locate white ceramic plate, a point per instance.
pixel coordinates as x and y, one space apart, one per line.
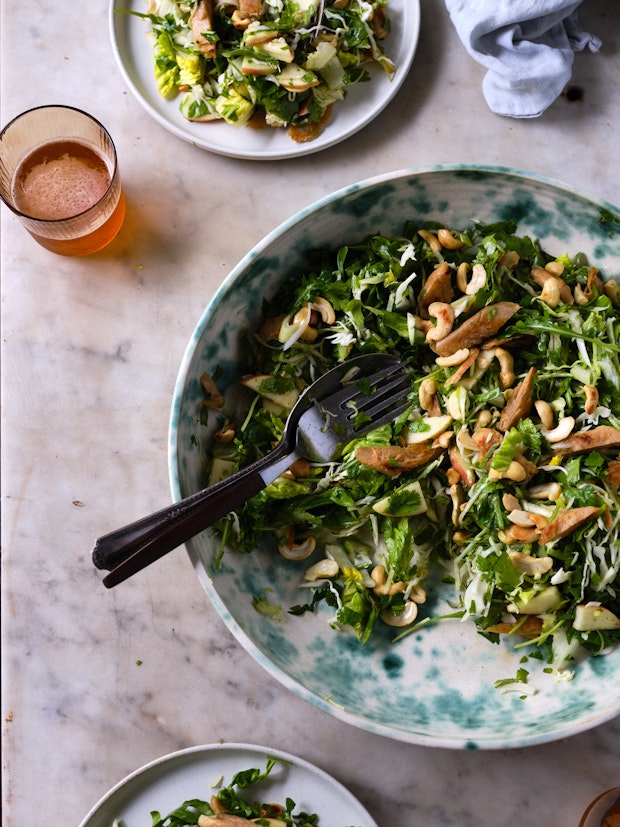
167 782
133 51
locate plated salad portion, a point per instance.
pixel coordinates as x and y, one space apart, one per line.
502 477
233 806
265 63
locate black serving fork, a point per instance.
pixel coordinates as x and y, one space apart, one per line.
346 402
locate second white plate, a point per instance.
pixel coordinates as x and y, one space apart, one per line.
364 101
194 773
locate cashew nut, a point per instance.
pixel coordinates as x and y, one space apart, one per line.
324 568
579 295
478 280
541 277
379 578
515 472
546 491
612 291
417 594
448 240
506 365
509 259
462 274
545 412
556 268
483 419
518 534
561 430
456 495
226 433
521 518
444 314
426 392
456 403
238 21
404 618
324 308
431 239
298 551
510 502
464 440
527 564
301 321
550 292
213 398
591 399
454 359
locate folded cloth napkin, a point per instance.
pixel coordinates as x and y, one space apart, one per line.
528 47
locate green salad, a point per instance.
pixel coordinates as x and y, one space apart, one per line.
503 476
232 806
274 63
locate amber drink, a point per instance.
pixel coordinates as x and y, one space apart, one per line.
59 175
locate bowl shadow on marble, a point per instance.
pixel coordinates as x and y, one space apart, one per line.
435 687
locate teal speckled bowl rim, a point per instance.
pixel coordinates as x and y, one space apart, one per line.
527 738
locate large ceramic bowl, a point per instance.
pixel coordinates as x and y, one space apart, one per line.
435 687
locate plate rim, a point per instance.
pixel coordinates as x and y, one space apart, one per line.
411 32
208 750
407 736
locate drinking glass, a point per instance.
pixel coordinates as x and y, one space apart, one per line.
59 175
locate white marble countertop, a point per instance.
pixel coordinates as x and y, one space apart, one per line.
96 683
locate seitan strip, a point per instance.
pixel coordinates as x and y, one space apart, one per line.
482 325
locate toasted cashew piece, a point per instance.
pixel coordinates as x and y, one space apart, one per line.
515 472
612 291
462 275
510 502
550 292
546 491
324 568
483 419
545 412
324 308
379 578
431 239
518 534
521 518
477 281
526 564
541 277
509 259
417 594
455 358
226 433
591 399
556 268
561 430
506 364
579 295
427 393
448 240
404 618
444 314
298 551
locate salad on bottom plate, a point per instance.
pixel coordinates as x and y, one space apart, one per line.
503 475
265 63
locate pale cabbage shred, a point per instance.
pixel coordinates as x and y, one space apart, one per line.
234 96
374 289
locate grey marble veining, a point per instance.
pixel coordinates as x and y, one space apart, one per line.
96 683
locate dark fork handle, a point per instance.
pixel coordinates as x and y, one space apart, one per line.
149 538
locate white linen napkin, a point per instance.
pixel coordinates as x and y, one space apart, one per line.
527 46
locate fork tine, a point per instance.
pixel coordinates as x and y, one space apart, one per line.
385 393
